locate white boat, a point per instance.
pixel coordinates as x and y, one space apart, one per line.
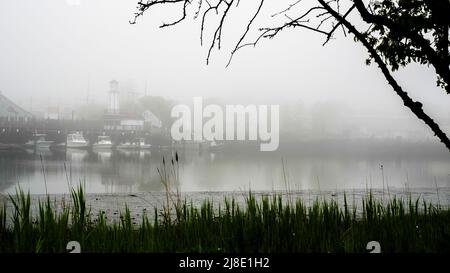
76 140
103 142
142 144
39 142
128 145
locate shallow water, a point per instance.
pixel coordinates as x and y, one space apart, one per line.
145 203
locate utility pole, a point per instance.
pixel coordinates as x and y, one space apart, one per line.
145 90
88 89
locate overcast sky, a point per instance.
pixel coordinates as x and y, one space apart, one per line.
50 50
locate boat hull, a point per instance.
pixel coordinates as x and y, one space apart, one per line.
77 145
97 146
44 144
127 147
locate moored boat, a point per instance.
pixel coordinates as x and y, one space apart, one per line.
39 142
142 144
128 145
77 141
103 142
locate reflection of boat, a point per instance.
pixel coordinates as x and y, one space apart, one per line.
215 147
40 151
58 147
128 152
76 155
190 144
104 155
164 147
10 147
142 144
39 142
144 153
76 140
103 142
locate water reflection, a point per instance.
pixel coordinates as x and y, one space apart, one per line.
105 171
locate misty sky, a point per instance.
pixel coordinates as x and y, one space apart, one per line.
50 50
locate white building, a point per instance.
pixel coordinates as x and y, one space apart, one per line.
113 107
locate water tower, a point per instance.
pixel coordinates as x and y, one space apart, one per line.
113 97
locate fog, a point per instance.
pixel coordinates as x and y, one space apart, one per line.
58 52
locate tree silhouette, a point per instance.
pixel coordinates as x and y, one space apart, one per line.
394 32
160 107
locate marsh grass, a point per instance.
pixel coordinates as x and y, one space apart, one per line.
265 225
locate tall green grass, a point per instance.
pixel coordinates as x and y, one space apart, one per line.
264 225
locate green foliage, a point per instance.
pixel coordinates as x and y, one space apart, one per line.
405 31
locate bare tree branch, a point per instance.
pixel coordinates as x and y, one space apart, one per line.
246 31
287 9
143 7
218 33
329 20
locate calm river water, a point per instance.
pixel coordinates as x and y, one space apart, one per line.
137 171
